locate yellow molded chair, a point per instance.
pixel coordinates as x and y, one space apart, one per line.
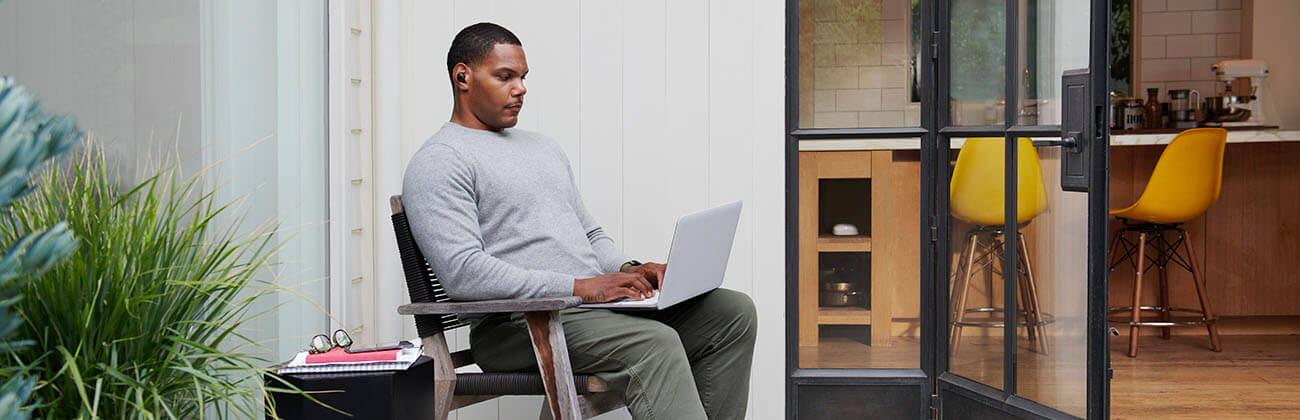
977 195
1185 182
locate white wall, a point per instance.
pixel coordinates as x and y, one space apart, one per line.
662 106
1274 42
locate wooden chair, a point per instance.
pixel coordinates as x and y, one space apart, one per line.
568 396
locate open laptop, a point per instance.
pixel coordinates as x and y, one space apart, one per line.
697 258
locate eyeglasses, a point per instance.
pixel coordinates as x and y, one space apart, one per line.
320 343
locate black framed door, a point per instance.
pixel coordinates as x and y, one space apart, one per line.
1021 203
994 81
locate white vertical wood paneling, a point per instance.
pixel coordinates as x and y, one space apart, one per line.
647 166
600 113
678 162
731 134
663 107
767 206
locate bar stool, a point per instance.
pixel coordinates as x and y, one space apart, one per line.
978 198
1184 183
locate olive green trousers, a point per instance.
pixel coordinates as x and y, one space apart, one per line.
690 361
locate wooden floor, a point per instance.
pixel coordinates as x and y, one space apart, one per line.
1255 377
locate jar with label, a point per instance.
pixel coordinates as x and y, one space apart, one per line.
1133 114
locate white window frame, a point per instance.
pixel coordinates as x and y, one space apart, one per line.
351 256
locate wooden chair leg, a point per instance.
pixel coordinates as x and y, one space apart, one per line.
1035 306
444 374
1201 294
1026 308
552 354
955 284
1162 252
1137 297
959 305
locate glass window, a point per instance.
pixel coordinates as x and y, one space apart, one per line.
238 85
858 63
978 82
859 259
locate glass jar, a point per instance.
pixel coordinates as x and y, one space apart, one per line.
1151 116
1133 114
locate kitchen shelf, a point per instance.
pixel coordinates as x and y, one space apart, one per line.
846 315
833 243
840 188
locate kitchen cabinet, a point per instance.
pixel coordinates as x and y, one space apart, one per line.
878 192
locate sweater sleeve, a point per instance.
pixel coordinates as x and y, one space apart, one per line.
441 205
607 253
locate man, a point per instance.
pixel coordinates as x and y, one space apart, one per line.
497 214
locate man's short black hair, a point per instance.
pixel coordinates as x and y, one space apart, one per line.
475 42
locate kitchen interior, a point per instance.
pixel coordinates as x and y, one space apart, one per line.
1176 65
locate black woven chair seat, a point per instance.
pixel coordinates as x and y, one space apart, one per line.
509 383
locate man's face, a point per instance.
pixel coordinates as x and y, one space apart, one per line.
496 87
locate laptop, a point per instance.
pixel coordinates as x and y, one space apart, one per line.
697 258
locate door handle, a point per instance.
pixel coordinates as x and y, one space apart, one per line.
1077 134
1069 142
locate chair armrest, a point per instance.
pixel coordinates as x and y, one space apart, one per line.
489 306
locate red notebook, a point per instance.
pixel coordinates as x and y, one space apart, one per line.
338 355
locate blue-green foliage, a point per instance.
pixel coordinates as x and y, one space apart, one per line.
28 138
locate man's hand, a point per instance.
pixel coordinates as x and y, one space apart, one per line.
653 273
608 287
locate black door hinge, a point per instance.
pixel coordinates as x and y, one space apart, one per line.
934 233
934 45
934 406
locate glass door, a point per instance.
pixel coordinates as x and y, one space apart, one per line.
1020 199
926 277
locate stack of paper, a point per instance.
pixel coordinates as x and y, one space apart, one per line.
339 360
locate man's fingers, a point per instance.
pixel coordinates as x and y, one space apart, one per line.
630 293
639 282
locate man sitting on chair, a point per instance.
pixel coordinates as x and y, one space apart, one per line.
497 214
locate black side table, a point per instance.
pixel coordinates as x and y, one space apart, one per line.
365 395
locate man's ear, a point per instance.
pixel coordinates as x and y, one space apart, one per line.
460 77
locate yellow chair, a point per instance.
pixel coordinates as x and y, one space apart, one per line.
977 195
1185 182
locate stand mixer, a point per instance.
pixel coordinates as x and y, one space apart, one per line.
1228 108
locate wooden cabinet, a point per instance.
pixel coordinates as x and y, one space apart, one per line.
878 192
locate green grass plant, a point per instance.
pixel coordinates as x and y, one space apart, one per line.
144 319
28 138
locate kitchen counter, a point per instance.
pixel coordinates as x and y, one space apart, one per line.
1243 136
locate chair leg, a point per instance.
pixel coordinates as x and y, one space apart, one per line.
1198 277
1032 296
444 374
552 354
1137 296
1162 253
959 304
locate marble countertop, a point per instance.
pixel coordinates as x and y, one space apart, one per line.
1244 136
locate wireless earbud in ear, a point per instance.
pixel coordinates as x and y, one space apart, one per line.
460 77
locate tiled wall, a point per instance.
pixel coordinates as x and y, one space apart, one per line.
859 51
1181 39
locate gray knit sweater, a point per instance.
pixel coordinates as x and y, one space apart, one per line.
498 216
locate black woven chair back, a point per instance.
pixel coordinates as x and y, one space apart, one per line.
421 283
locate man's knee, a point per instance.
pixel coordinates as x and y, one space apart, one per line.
740 308
657 338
